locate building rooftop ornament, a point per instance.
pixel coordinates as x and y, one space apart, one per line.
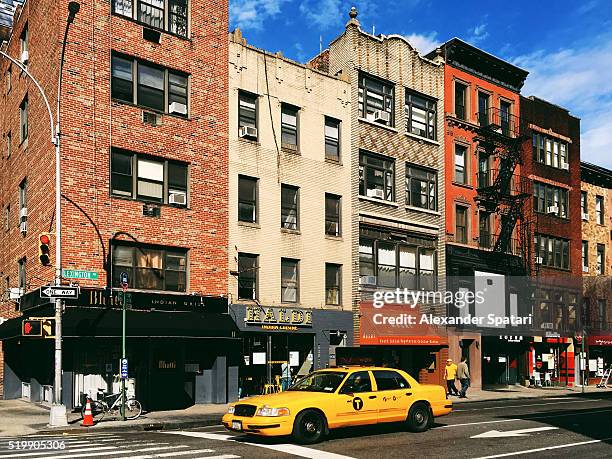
353 17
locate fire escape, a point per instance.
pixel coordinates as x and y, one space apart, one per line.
500 189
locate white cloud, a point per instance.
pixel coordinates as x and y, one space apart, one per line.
478 33
424 43
323 14
251 14
579 80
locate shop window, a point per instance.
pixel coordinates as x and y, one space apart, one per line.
376 100
332 139
332 283
332 215
421 188
289 281
289 207
150 268
376 176
247 276
247 199
420 115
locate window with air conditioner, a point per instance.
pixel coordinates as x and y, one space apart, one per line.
376 100
420 115
376 176
553 251
550 151
247 115
551 200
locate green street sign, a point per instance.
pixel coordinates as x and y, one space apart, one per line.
79 274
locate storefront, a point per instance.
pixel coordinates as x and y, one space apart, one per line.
552 361
286 342
181 349
599 357
505 360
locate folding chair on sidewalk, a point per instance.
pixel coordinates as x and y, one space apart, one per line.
605 378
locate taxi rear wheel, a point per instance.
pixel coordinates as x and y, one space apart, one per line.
309 427
419 418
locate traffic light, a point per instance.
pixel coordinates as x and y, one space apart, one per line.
44 253
31 327
48 328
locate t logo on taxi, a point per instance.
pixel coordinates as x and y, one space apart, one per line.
357 403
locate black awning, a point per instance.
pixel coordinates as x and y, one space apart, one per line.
106 322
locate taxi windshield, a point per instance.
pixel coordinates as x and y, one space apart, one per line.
323 381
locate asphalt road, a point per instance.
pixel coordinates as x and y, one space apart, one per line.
552 427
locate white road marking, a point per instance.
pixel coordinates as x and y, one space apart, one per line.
526 405
173 454
296 450
512 433
478 423
30 452
221 456
546 448
119 451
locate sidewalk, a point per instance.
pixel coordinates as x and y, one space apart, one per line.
18 417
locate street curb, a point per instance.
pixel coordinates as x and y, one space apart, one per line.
529 398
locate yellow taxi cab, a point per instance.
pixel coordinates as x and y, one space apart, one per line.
340 397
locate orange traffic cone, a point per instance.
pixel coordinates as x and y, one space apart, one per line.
88 417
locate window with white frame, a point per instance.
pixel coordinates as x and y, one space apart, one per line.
461 164
376 176
289 126
550 151
420 115
332 139
376 100
599 212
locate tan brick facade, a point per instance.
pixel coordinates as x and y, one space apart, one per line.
275 80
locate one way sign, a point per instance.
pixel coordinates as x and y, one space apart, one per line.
59 291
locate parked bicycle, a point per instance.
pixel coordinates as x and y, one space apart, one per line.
111 403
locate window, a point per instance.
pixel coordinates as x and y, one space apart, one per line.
505 112
427 269
553 251
483 108
247 110
289 207
24 39
599 213
332 214
585 256
289 130
460 164
421 188
155 87
151 13
9 78
584 207
332 284
23 120
460 100
484 229
550 151
289 281
332 139
376 100
247 199
150 268
550 200
23 194
420 115
376 176
601 259
7 217
22 273
247 276
366 259
484 174
389 380
148 179
461 224
9 144
357 383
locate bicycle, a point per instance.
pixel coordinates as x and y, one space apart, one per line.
108 402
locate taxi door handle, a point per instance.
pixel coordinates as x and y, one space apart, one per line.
372 396
408 393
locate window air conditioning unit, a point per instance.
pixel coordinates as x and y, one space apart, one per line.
154 119
23 213
538 260
367 280
177 197
25 57
379 194
14 293
247 131
23 227
565 166
585 269
381 115
585 216
552 210
151 211
177 107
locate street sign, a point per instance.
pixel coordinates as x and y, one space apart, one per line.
59 291
124 368
123 278
79 274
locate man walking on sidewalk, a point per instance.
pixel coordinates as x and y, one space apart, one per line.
450 373
463 373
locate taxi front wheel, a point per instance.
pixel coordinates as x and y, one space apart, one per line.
419 418
309 427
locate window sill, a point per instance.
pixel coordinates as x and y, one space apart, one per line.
380 125
556 217
250 141
425 211
249 224
290 231
550 166
378 201
334 162
423 139
334 238
463 185
150 203
149 109
144 24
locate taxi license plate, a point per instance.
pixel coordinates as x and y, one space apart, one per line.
236 425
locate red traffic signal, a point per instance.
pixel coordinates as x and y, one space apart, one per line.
31 327
44 252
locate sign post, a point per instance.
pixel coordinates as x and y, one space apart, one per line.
123 277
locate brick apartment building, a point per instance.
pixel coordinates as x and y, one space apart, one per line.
290 214
397 134
596 212
144 182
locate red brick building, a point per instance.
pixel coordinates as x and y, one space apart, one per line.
144 182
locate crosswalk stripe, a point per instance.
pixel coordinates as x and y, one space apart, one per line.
221 456
42 453
126 453
173 454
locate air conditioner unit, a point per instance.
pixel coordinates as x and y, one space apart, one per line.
367 280
23 213
177 107
565 166
154 119
381 115
178 198
14 293
552 210
23 227
585 216
538 260
585 269
25 57
247 131
380 194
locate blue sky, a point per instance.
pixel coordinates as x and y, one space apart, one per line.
565 45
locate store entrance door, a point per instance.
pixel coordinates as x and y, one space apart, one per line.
167 388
